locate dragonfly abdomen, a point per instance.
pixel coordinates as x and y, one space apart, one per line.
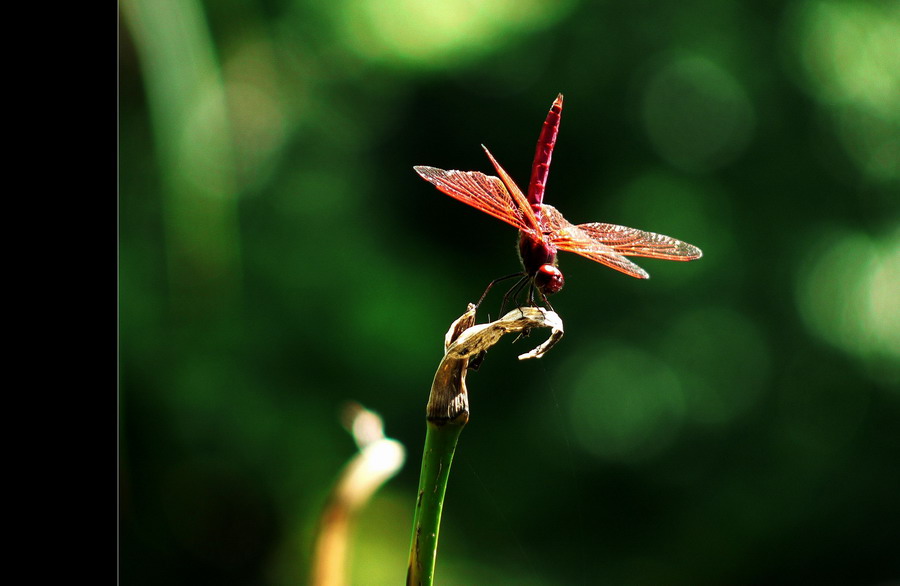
540 168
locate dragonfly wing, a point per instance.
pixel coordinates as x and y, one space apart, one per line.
483 192
633 242
517 195
571 238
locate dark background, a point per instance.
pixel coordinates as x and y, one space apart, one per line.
734 420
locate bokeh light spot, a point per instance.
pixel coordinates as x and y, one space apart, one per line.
440 32
257 112
849 54
696 113
625 404
849 295
723 361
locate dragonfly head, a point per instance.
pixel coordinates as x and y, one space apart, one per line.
549 279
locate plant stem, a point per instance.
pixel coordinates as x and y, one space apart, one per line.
379 458
448 412
440 446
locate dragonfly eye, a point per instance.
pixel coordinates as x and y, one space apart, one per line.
549 279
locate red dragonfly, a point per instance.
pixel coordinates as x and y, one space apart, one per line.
542 229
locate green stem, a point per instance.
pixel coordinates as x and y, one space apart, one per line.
448 412
440 445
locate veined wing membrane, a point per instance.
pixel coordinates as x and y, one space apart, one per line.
516 193
565 236
484 192
622 239
608 244
634 242
574 240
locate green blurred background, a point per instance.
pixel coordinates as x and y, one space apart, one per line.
735 420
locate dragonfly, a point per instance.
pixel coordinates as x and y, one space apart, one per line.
543 231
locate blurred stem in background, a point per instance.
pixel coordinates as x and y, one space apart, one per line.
187 102
378 460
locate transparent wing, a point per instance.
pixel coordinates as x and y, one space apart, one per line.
516 193
483 192
609 243
633 242
567 237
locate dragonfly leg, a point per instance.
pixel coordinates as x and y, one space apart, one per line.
545 300
531 293
514 291
494 282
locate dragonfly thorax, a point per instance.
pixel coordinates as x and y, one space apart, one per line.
539 260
